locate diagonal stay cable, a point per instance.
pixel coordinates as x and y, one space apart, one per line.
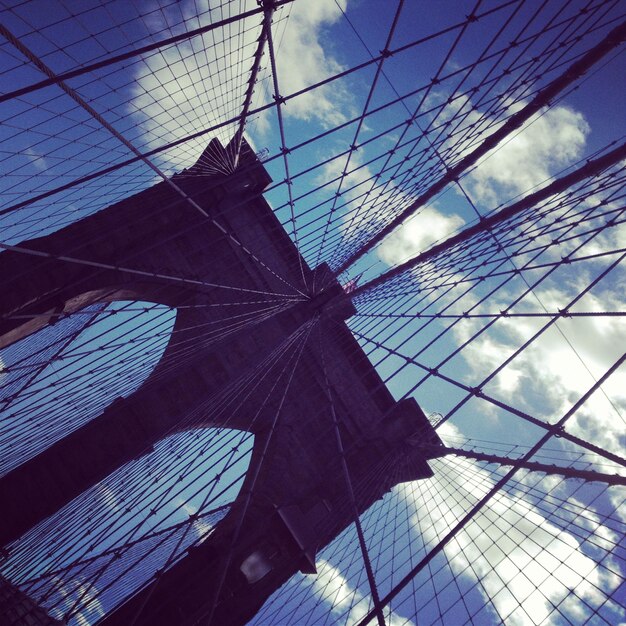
283 147
128 270
93 113
546 468
589 169
413 115
134 53
614 39
510 409
348 481
269 6
361 120
522 275
554 430
535 294
304 333
259 109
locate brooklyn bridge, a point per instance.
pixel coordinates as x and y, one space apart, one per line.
312 313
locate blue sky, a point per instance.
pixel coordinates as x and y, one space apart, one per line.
165 96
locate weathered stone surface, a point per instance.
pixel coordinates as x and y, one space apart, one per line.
300 498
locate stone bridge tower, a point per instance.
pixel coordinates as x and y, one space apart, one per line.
138 249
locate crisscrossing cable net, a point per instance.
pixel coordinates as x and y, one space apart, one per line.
312 313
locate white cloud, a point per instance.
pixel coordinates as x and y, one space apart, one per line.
550 140
525 564
37 159
347 603
201 82
107 497
545 144
549 368
417 234
303 60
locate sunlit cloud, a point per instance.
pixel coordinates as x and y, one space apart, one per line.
346 602
560 365
524 563
417 234
304 59
545 144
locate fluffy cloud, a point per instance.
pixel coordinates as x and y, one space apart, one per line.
560 365
552 139
417 234
201 82
348 604
303 60
549 141
522 563
545 144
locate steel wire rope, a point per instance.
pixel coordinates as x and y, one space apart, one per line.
348 480
550 322
541 248
262 369
229 463
183 352
471 18
304 332
439 156
464 315
283 149
353 146
37 62
373 160
254 111
195 345
16 365
428 369
477 62
552 90
450 494
500 30
520 502
174 360
507 72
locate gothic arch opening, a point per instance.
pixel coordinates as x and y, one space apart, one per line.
112 540
67 373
